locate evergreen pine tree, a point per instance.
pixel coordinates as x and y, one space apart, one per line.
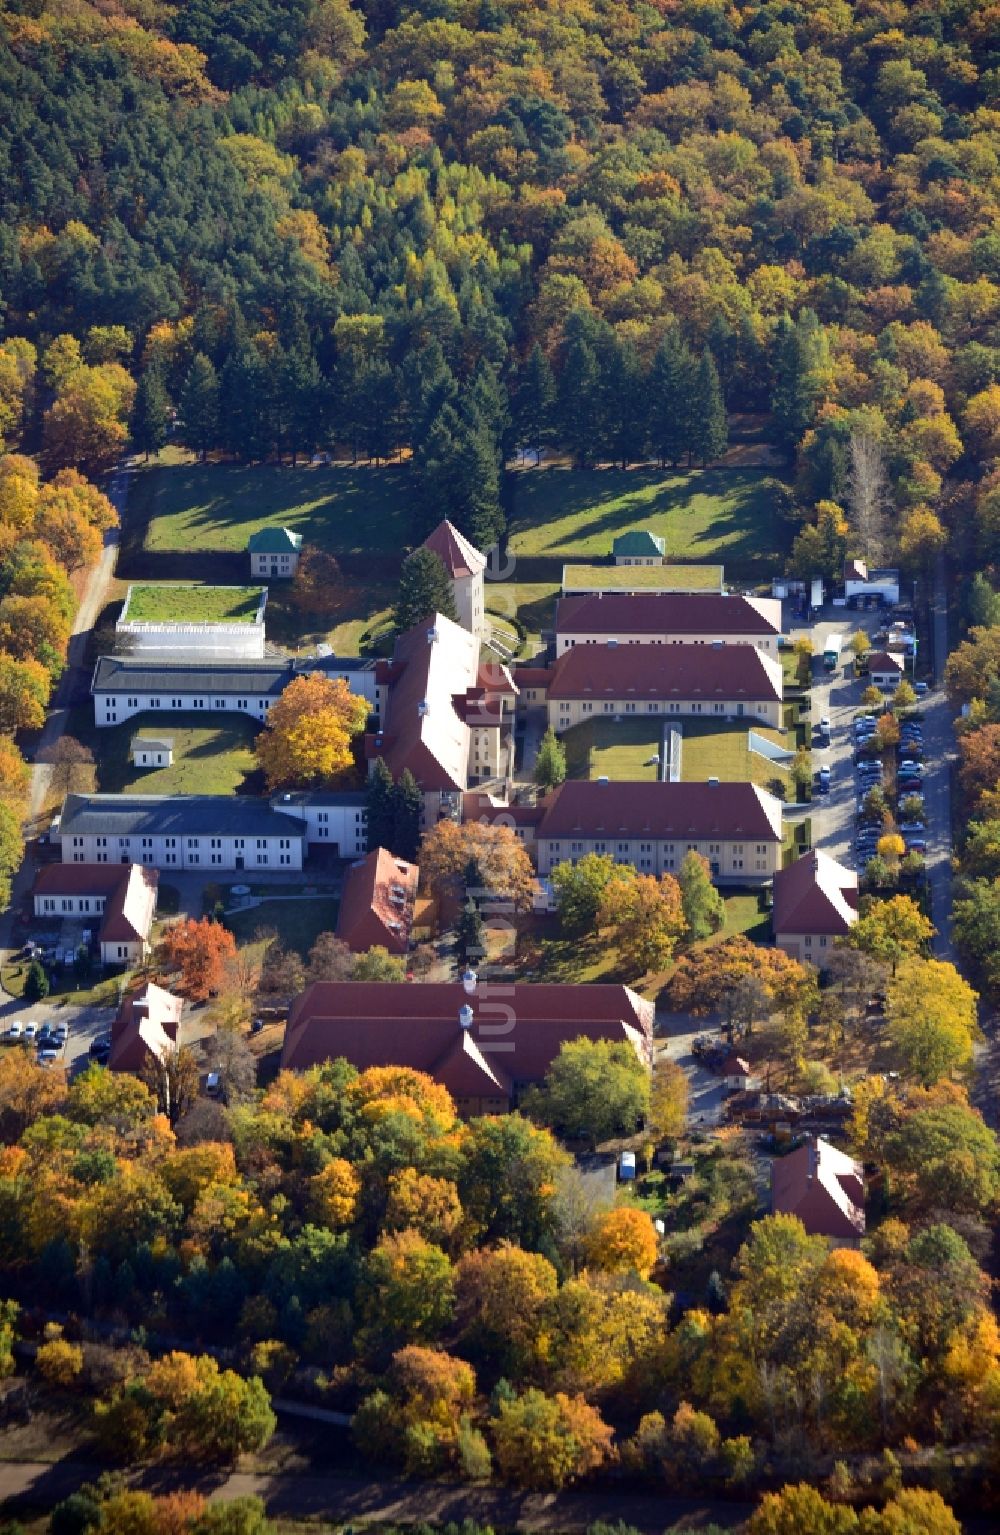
709 427
300 385
488 396
801 351
470 933
199 406
624 410
379 795
150 413
534 403
458 476
244 404
407 810
424 589
670 388
579 405
550 764
36 982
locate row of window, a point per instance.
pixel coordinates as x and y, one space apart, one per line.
625 848
191 858
239 843
654 706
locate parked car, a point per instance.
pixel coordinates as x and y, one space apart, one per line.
916 828
910 768
30 1029
824 727
47 1056
100 1045
824 780
920 688
16 1030
61 1033
908 785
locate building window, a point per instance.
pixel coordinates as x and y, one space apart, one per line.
194 858
215 858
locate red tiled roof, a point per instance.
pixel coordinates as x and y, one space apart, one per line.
815 894
145 1024
823 1187
723 673
532 676
667 613
129 891
661 811
432 663
368 913
884 661
517 1028
458 556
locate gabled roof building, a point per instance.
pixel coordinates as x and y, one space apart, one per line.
483 1048
668 618
376 904
122 895
444 716
815 903
145 1026
713 681
736 827
824 1188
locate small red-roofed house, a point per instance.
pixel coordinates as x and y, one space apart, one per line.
824 1188
376 905
120 898
815 903
145 1025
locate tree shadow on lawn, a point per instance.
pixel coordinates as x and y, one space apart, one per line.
346 509
746 509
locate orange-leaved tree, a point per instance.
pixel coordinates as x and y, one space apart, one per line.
199 950
307 739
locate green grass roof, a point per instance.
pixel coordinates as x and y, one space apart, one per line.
635 578
169 604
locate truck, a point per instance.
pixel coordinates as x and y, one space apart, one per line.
831 654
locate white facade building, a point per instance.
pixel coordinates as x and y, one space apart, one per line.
193 831
332 820
124 686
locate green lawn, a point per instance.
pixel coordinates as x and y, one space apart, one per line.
532 603
218 506
297 923
725 515
600 748
633 578
713 515
718 749
166 602
208 759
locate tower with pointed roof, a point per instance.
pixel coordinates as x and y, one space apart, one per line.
465 566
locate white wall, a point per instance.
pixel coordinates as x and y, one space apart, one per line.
179 852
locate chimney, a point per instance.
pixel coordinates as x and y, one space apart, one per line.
469 983
465 1017
713 783
602 779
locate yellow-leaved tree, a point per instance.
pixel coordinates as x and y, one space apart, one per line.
307 739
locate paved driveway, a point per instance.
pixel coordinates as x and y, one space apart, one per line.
675 1035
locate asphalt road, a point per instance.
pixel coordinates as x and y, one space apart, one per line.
307 1495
